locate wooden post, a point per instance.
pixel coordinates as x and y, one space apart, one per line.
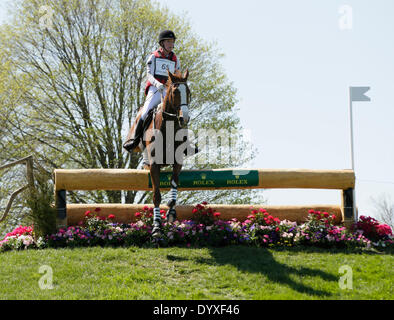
348 206
61 207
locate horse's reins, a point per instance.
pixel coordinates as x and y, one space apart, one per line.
173 115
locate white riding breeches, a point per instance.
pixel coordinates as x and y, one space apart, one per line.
153 99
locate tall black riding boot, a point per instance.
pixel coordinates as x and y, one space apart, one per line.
131 144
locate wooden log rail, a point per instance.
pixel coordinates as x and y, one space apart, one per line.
215 179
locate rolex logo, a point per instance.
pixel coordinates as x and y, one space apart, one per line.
203 176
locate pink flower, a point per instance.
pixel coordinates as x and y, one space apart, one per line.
384 229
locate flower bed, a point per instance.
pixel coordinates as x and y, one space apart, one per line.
206 229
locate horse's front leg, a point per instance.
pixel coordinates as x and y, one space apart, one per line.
171 213
155 176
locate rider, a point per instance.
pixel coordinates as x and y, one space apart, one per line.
158 63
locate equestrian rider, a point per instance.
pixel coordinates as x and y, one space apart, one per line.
158 63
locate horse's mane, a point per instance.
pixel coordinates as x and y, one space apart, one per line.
177 75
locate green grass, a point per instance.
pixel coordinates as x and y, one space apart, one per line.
233 272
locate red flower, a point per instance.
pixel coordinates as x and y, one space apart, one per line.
111 216
162 211
146 208
383 229
254 211
97 209
87 213
138 214
262 210
194 210
325 214
216 214
333 216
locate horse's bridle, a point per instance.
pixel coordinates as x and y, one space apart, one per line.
174 115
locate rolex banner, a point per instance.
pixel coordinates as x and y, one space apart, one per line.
211 179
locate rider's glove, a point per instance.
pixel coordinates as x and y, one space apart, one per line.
161 88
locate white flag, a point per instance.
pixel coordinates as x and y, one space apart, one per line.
358 94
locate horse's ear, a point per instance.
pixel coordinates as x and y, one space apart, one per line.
171 76
186 74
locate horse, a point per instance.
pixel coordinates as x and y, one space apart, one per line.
164 145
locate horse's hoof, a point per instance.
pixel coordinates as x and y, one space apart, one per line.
156 231
171 215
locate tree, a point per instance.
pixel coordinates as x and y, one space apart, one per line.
79 68
384 210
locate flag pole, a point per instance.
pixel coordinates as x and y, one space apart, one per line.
352 150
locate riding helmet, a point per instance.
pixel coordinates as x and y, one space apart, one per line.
166 35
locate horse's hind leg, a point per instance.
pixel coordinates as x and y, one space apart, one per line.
171 213
155 175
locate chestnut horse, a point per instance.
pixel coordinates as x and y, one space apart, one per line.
166 141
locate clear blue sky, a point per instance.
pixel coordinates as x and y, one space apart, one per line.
292 65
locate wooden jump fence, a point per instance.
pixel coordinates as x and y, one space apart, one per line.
215 179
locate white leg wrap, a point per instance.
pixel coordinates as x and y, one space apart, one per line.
173 194
156 214
173 191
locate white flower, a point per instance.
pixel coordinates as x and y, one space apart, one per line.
26 240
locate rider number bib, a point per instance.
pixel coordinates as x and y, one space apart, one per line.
162 65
